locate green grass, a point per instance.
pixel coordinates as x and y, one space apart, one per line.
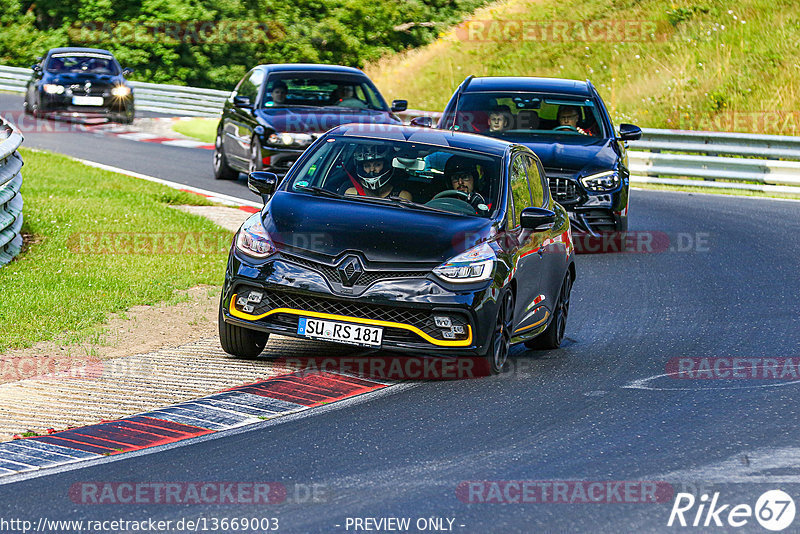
202 129
68 281
712 65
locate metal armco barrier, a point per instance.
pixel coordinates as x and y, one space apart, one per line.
672 157
10 197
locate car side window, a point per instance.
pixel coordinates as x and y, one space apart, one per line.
249 85
520 191
535 181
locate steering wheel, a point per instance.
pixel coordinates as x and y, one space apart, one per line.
453 193
565 127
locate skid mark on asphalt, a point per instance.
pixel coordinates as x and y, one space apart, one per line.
236 407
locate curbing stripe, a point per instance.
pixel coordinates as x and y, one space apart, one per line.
233 408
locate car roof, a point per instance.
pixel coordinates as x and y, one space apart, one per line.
311 67
429 136
528 83
78 50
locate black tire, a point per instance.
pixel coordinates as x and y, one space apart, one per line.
240 342
500 345
26 108
552 337
622 224
222 171
256 164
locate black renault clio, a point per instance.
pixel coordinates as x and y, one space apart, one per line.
406 239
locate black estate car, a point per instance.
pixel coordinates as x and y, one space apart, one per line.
401 238
276 111
566 124
88 81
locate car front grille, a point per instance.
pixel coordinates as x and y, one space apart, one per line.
600 221
367 278
564 190
420 318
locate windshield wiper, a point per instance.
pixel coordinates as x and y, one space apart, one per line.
319 191
396 200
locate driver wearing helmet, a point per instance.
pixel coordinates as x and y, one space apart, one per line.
464 177
373 173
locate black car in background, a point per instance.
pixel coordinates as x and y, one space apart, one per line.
85 81
566 123
277 111
373 239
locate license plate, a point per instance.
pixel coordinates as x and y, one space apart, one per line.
87 100
353 334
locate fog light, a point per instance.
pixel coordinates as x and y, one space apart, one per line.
443 322
254 297
458 329
447 334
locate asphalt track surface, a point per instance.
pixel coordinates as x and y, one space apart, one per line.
598 409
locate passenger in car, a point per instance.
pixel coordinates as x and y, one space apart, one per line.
465 177
499 119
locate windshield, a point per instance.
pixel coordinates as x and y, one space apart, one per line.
524 114
415 175
88 64
330 90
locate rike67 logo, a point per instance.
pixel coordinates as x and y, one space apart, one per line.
774 510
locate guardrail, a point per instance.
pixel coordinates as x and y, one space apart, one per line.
10 197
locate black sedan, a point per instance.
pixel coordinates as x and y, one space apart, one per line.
86 81
277 111
407 239
566 123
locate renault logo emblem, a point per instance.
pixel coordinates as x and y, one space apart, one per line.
350 269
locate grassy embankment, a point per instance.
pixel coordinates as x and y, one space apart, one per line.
99 242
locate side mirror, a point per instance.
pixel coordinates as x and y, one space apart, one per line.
422 122
399 105
242 102
36 67
629 132
262 183
537 219
127 71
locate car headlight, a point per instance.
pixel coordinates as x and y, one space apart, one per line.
289 139
121 90
474 265
602 181
53 89
253 239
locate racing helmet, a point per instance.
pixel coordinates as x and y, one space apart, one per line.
368 154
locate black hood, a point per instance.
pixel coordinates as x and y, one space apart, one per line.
576 155
382 233
316 120
69 78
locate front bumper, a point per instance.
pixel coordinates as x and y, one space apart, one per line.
63 104
405 307
591 212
